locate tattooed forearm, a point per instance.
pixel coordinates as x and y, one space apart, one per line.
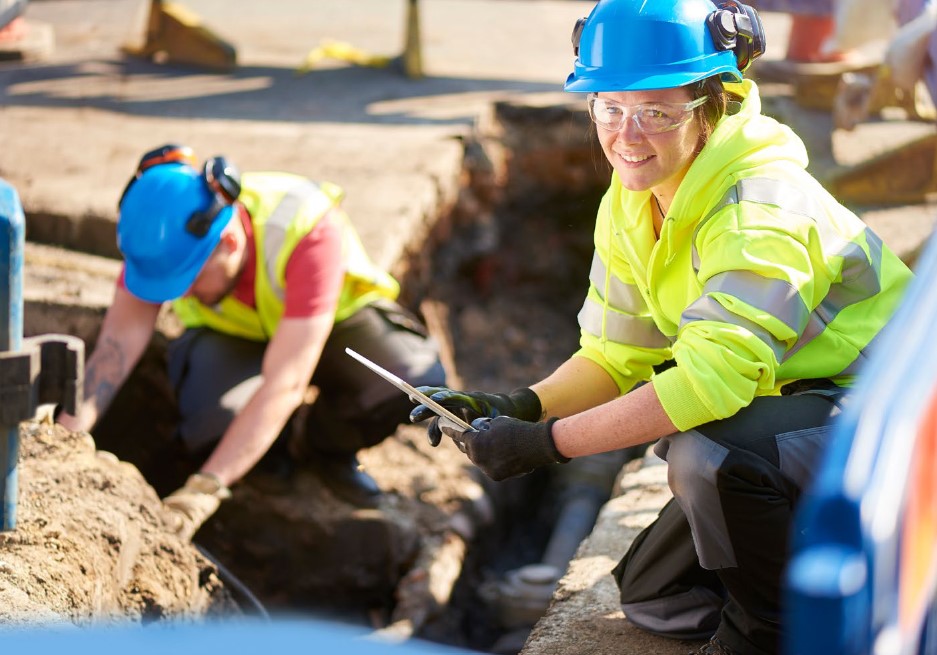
105 373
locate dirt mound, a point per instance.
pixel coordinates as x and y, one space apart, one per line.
89 546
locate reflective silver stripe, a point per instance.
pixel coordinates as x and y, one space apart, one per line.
707 308
861 273
767 191
621 296
776 297
275 230
788 197
621 328
861 280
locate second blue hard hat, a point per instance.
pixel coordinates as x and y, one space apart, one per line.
162 254
633 45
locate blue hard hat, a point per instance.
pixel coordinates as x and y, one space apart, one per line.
162 253
633 45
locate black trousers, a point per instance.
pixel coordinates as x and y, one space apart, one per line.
215 375
713 561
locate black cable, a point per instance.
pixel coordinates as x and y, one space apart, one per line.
240 590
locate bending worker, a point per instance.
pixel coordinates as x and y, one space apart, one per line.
731 303
271 283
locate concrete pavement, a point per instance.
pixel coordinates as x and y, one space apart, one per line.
74 126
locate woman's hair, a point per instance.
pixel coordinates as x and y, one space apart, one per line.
715 107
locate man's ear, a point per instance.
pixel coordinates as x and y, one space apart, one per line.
229 240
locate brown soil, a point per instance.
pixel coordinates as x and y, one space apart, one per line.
89 545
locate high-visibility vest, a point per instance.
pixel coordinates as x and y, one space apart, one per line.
284 208
791 285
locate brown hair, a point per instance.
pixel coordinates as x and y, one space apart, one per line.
715 107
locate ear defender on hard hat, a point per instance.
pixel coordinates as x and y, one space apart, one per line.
633 45
220 176
172 216
224 181
738 28
577 34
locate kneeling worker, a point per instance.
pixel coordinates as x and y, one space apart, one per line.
271 283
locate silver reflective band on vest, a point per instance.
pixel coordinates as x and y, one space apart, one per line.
275 229
708 309
860 275
621 296
620 318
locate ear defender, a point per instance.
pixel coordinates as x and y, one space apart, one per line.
737 27
577 34
224 182
222 179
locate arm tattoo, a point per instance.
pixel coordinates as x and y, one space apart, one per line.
105 373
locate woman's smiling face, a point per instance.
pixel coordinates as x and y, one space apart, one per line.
650 161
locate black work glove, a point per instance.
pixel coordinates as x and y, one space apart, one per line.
470 405
505 447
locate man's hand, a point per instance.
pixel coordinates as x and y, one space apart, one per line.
505 447
186 509
521 403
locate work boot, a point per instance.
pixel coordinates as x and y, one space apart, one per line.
714 647
343 476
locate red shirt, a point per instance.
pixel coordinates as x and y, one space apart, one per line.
314 272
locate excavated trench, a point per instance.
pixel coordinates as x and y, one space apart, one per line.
500 280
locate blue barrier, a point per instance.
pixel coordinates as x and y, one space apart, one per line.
11 337
863 572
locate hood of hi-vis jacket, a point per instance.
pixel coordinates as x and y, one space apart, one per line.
759 277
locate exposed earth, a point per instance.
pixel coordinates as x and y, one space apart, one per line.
283 541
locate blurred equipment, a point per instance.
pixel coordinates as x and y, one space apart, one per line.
22 40
906 78
412 54
9 10
175 34
863 573
34 371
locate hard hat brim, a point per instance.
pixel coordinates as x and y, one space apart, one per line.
584 82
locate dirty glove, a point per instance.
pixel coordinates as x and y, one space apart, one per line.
505 447
185 509
470 405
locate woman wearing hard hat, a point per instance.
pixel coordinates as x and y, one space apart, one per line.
731 303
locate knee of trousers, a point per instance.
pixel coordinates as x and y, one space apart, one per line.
693 462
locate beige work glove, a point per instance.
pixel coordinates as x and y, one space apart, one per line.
187 508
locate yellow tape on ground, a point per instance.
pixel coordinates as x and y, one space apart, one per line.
341 51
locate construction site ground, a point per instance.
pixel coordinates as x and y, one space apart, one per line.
476 184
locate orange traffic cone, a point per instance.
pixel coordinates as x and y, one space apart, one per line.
807 36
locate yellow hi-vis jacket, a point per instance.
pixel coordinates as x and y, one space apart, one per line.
284 208
759 278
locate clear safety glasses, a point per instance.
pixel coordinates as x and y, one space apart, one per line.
650 117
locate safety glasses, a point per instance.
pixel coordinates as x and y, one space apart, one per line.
650 117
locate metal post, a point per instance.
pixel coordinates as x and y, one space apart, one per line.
11 336
412 54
